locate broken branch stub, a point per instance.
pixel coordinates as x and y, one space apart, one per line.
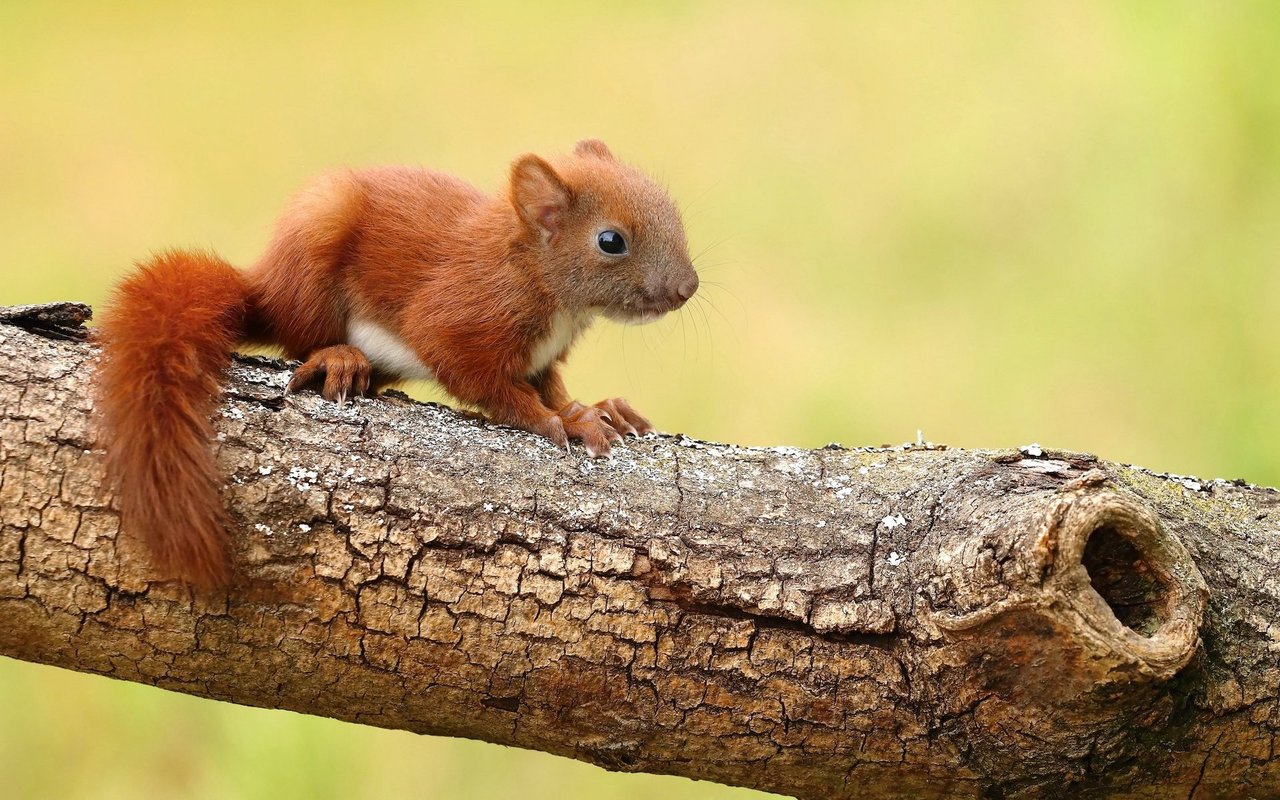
1116 596
900 622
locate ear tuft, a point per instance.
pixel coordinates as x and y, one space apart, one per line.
593 147
539 195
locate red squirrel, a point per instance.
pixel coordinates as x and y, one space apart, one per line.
375 276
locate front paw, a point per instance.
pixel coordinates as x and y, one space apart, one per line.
345 370
623 418
583 423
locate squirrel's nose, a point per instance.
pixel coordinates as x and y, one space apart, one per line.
679 291
676 291
686 289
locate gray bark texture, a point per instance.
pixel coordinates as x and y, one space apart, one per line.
912 622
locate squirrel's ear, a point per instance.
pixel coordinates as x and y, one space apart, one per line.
593 147
539 195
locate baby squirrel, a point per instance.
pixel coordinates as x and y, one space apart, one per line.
375 276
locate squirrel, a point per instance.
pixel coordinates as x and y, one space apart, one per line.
372 277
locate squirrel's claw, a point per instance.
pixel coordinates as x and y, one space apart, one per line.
623 418
587 425
345 369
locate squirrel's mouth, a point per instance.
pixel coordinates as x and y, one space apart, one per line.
636 315
646 307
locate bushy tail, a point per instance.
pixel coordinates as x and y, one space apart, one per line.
166 339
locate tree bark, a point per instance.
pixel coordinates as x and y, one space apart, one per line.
913 622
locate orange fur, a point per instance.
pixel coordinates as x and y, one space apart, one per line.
470 286
166 339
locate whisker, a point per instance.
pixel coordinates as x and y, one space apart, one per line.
720 287
688 205
709 248
702 310
626 365
711 339
684 341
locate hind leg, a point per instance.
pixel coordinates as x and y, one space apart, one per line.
346 372
300 287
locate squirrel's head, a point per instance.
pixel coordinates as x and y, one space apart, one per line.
608 238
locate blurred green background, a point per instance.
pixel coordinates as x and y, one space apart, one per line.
994 222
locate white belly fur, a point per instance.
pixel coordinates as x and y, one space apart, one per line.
564 329
386 351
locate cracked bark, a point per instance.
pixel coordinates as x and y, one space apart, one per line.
870 623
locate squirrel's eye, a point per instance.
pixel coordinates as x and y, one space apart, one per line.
612 243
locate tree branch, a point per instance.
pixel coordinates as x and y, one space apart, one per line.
874 623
